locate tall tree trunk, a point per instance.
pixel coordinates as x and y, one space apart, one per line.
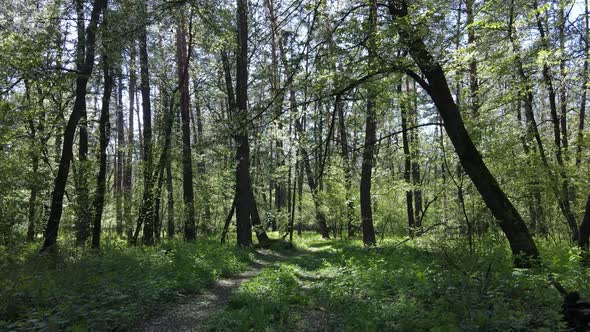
103 128
34 154
473 77
83 209
120 166
584 236
585 82
163 160
235 114
243 183
563 85
128 180
407 160
280 190
170 190
85 70
201 166
510 221
348 174
564 194
187 166
370 138
313 186
146 213
414 142
532 131
300 173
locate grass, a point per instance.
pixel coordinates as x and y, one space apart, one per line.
427 284
83 290
418 286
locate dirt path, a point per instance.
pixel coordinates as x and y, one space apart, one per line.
192 315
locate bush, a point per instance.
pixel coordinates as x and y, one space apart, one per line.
110 289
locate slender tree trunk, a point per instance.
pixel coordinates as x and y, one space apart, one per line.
170 190
299 197
253 216
83 208
563 85
128 180
585 82
119 179
564 194
473 77
370 139
407 161
202 166
146 213
320 216
584 236
163 161
187 166
243 183
103 129
292 205
532 131
280 191
228 220
34 154
348 174
414 144
508 218
51 231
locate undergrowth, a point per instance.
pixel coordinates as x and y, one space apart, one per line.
112 289
417 286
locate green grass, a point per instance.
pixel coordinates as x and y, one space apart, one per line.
426 284
418 286
113 289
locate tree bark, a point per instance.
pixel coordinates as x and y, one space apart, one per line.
243 183
163 161
585 82
187 166
407 161
532 131
170 190
414 143
128 177
83 209
120 165
34 187
584 235
320 216
103 129
51 230
146 213
370 138
563 195
522 244
347 167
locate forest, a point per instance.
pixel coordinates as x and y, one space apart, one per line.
294 165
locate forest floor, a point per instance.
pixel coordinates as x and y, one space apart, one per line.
195 312
431 283
337 285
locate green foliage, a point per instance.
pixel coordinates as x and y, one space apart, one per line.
417 286
107 290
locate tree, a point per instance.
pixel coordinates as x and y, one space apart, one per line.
84 72
103 128
436 86
146 213
187 166
370 136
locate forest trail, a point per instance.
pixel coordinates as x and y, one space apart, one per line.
193 314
